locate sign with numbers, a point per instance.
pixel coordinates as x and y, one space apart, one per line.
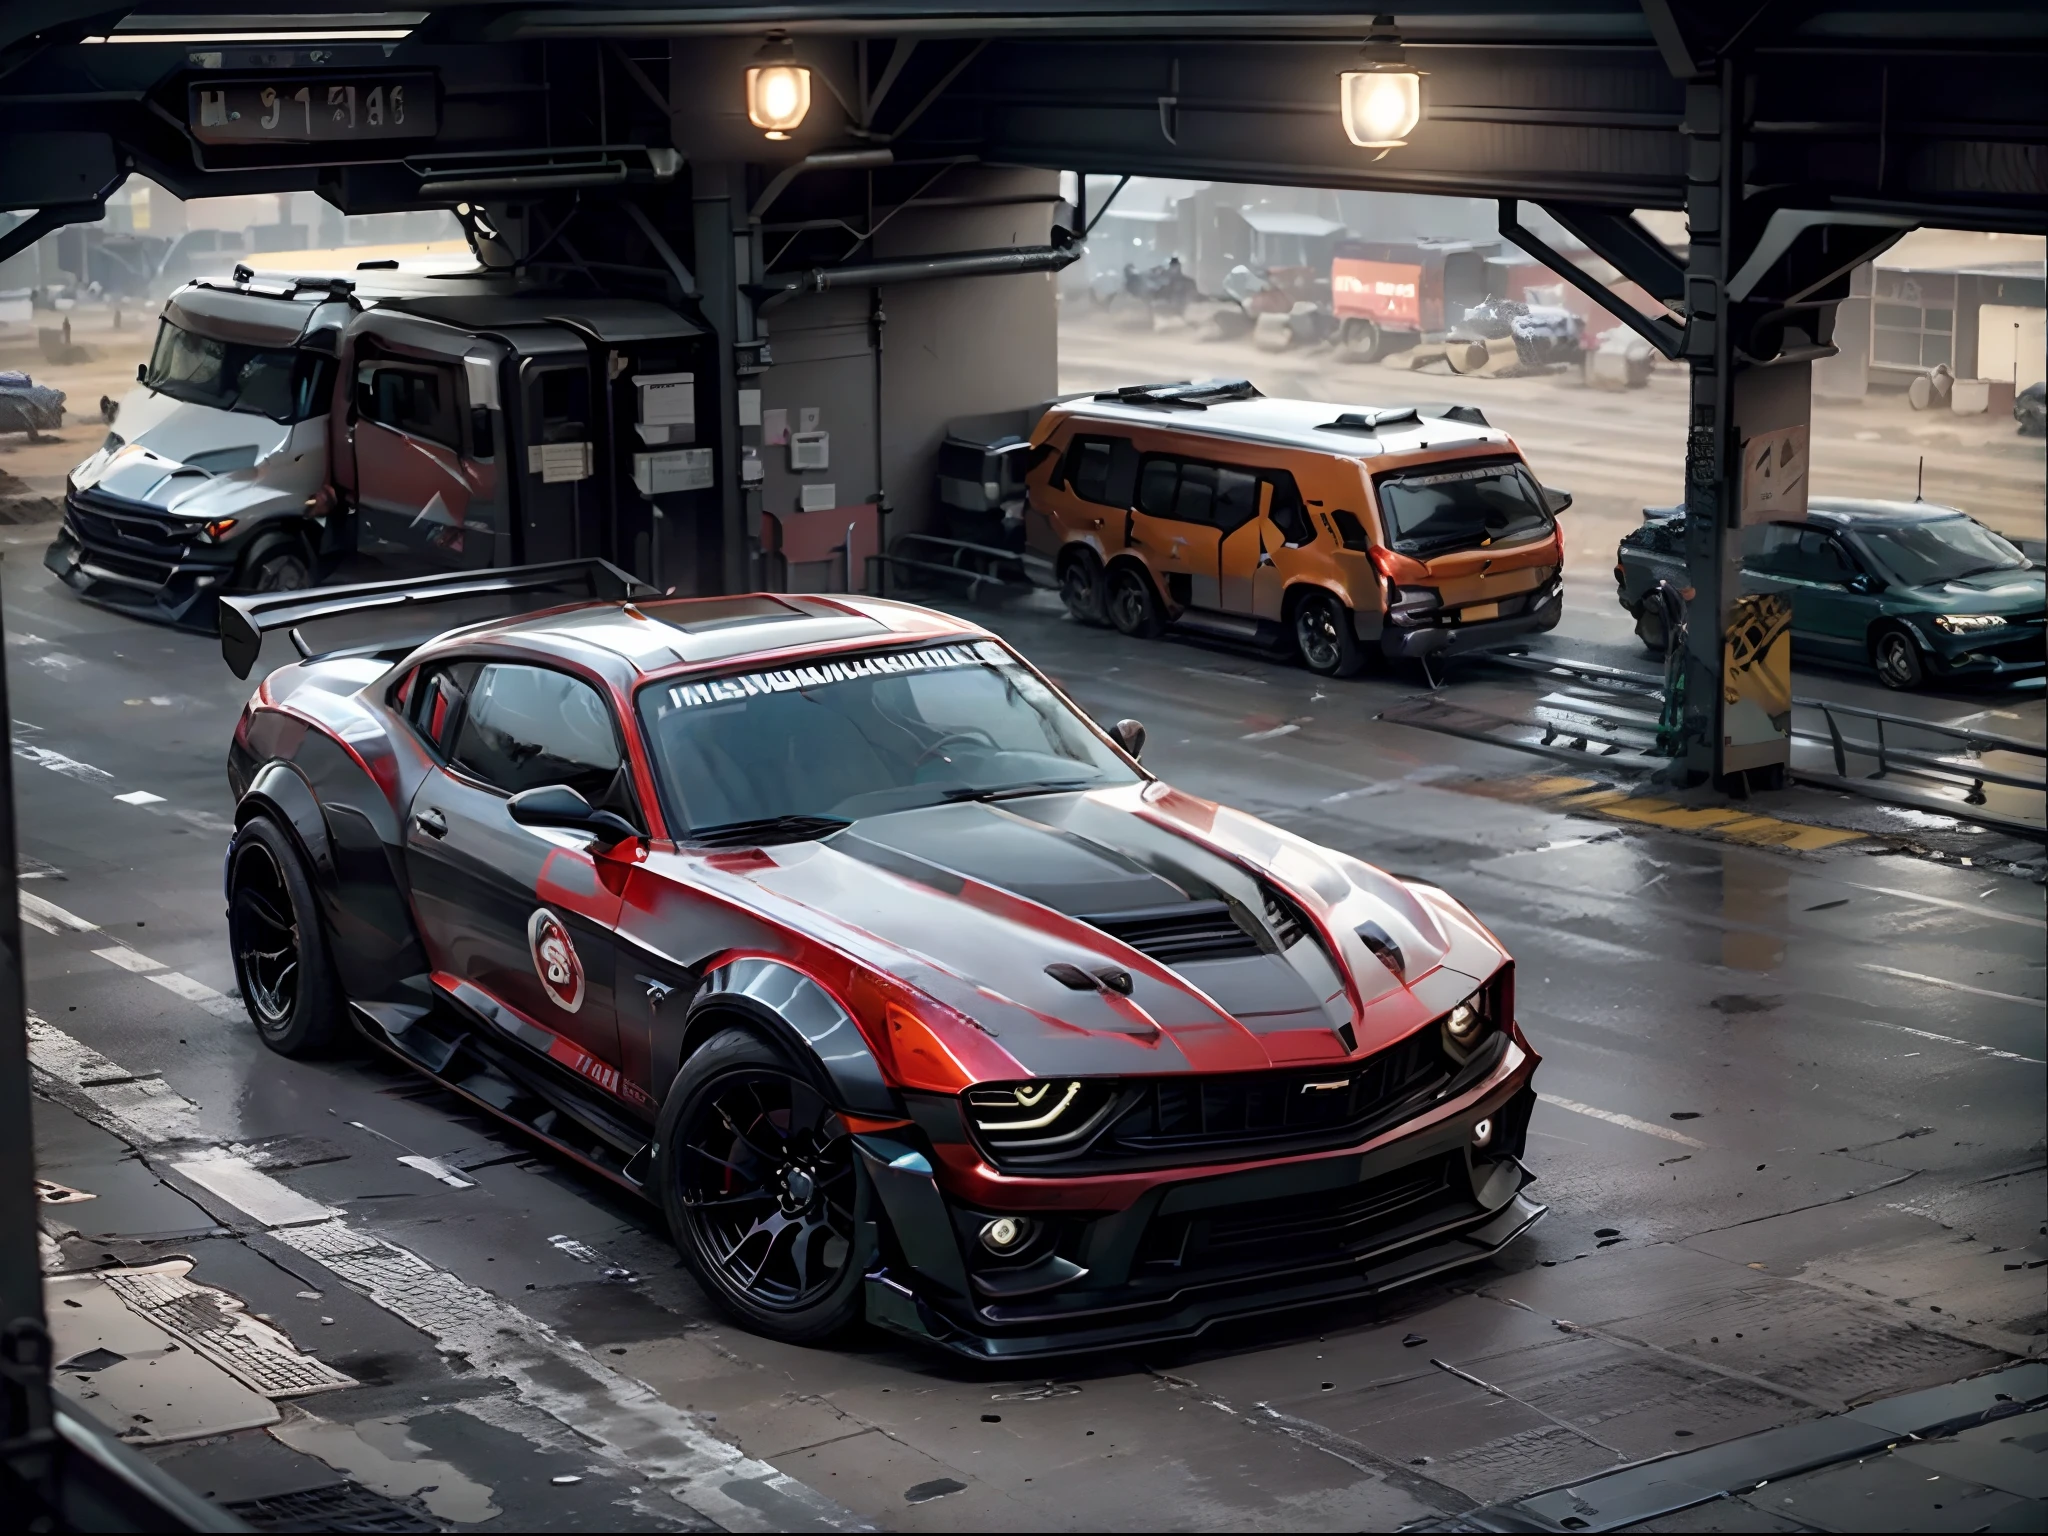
314 109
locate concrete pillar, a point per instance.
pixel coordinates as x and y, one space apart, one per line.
723 257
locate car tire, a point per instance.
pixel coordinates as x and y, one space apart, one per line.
279 566
765 1194
283 963
1897 659
1325 638
1081 588
1134 603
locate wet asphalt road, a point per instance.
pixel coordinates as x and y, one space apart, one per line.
1792 1145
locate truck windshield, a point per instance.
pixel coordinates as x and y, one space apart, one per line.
866 735
280 383
1427 511
1943 549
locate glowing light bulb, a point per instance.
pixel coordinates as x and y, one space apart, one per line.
1380 108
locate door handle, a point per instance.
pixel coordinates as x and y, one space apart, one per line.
658 991
431 822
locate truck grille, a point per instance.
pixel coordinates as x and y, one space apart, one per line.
102 529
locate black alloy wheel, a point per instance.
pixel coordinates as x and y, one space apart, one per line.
764 1191
1133 604
1324 637
1081 588
282 963
1898 660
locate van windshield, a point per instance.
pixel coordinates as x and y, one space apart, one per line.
866 735
280 383
1426 511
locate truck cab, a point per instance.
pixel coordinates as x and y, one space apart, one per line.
286 429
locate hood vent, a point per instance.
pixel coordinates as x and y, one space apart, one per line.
1200 930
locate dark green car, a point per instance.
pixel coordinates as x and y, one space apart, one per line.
1912 589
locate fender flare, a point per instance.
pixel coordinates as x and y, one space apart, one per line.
798 1015
281 789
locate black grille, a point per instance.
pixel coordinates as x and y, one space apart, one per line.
1328 1222
1178 1114
101 558
131 534
1290 925
1201 930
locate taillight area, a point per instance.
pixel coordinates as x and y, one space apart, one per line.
1396 568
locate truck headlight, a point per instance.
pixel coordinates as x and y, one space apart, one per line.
1967 623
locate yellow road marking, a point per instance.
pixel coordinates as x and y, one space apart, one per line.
1566 792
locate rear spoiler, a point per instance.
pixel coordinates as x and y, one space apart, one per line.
244 621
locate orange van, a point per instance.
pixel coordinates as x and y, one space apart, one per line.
1337 533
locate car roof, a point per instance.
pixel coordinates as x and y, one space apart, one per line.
671 634
1862 512
1297 424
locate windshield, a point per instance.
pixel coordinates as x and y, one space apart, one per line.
1944 549
283 384
867 735
1459 508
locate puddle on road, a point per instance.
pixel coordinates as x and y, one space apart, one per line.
381 1455
1754 891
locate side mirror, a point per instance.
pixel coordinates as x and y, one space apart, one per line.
141 372
1129 735
1558 501
557 805
1861 582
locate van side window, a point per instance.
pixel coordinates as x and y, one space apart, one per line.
1350 531
1103 470
1287 512
1237 498
1156 485
416 400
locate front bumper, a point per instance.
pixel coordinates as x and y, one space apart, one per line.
170 586
2016 651
1454 639
1198 1248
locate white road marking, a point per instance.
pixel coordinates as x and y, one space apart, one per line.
1630 1121
1968 1045
249 1189
1279 730
628 1422
51 918
57 762
140 797
219 1004
437 1170
1956 986
129 959
1961 906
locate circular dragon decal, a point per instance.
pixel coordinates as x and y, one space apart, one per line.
555 960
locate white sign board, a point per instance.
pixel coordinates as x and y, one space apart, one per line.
560 461
1774 476
819 497
681 469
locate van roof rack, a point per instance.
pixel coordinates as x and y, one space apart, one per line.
1185 394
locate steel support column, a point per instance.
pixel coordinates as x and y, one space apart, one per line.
724 262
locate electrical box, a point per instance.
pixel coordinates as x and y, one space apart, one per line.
681 469
810 450
668 407
818 497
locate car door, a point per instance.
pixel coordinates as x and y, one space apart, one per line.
412 492
524 915
1259 556
1837 611
1091 490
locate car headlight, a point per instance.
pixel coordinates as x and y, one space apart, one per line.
1968 623
1041 1116
1465 1026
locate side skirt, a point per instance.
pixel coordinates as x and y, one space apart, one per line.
441 1046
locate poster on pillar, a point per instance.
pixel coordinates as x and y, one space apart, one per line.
1774 475
1756 684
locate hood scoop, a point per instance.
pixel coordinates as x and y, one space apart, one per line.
1174 936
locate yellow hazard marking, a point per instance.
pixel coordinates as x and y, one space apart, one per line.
1567 792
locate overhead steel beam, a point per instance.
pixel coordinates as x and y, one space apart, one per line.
1667 337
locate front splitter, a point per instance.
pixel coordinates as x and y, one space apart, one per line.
893 1305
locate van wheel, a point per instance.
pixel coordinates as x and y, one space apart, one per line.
1650 629
1325 638
281 566
1081 588
1133 604
1897 660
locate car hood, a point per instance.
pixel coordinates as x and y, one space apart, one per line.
2006 592
198 462
970 903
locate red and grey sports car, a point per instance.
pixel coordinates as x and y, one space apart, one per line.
834 927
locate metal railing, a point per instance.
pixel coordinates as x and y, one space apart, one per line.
936 556
1977 775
